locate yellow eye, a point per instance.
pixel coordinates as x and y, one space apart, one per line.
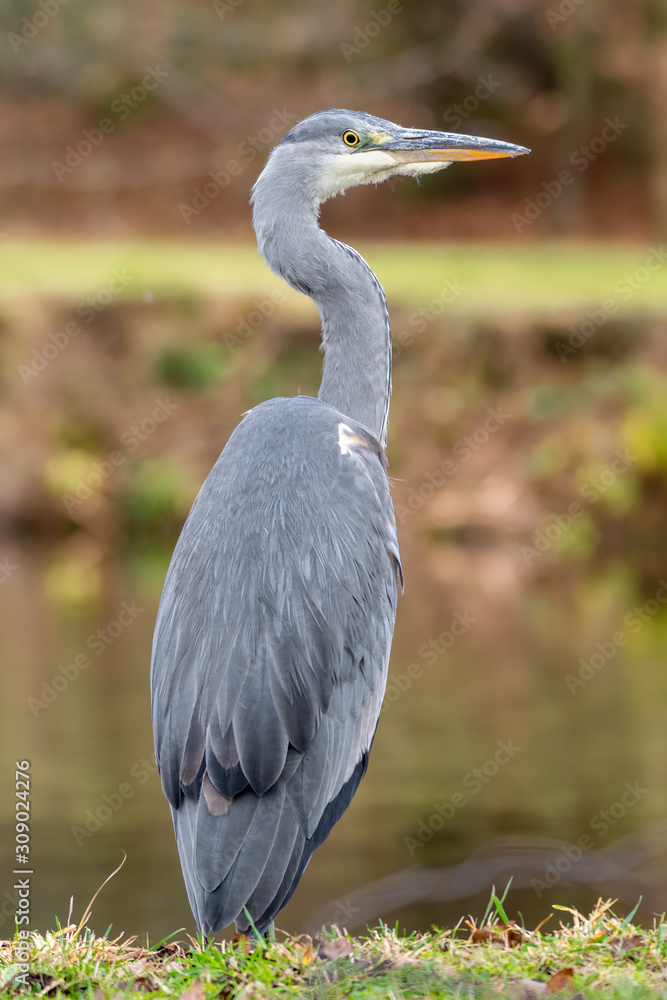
350 138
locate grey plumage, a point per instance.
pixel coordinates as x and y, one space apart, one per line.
272 639
280 659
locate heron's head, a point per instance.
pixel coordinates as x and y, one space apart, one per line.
346 148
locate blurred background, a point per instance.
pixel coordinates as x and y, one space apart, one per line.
524 729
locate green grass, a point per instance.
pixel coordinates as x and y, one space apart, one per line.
599 956
498 279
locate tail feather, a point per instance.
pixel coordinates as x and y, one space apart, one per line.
245 859
230 896
265 901
267 911
185 828
219 839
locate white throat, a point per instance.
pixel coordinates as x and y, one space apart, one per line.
345 170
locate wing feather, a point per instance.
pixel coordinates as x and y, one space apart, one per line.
271 652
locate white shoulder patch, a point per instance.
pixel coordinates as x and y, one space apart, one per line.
344 438
348 441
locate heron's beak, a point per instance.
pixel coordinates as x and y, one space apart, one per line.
418 146
407 152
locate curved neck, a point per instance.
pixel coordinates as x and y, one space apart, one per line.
356 336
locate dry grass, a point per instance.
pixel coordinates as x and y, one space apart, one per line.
595 956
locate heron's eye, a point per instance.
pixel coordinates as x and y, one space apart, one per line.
350 138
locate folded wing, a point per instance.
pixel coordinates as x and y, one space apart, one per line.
270 654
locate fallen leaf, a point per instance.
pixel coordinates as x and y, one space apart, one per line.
340 948
170 948
560 980
145 984
304 945
484 935
629 943
514 934
48 984
194 992
173 965
138 966
243 942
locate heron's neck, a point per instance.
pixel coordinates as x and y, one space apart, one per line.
356 337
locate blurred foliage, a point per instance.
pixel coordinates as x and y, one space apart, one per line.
193 368
153 498
299 365
234 77
72 580
135 424
645 427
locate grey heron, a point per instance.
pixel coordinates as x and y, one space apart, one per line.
275 624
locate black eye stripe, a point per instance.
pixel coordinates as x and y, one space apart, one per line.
350 138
